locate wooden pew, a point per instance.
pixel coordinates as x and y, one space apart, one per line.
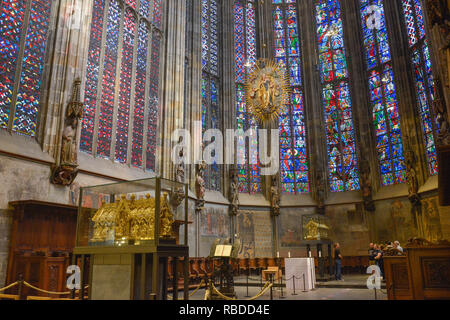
252 265
397 278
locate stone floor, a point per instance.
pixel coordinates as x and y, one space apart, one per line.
352 288
317 294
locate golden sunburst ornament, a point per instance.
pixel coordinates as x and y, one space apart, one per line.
267 91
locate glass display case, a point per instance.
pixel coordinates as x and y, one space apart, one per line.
131 213
315 228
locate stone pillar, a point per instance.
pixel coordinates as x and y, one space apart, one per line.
172 96
229 87
362 110
405 84
314 119
194 105
70 49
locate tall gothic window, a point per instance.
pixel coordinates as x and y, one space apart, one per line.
383 95
425 86
249 174
24 33
211 84
340 134
122 82
293 153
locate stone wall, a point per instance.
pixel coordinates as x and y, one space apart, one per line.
5 231
26 180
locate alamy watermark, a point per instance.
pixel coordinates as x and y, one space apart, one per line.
374 17
230 148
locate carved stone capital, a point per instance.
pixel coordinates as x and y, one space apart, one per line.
64 174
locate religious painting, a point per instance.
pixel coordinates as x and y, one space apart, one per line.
431 220
395 220
402 221
246 232
349 227
263 234
214 222
290 226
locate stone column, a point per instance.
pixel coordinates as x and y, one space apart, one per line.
194 105
314 119
405 84
361 107
70 49
172 96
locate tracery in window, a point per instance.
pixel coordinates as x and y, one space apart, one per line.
425 86
22 62
293 153
121 124
383 95
211 83
340 134
249 174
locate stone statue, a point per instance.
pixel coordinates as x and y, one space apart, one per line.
234 192
443 137
65 171
275 197
200 186
366 186
320 192
411 176
199 181
178 194
179 168
439 19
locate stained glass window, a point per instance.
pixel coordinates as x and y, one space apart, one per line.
293 153
109 80
340 134
123 116
383 96
425 86
249 174
23 25
121 93
210 90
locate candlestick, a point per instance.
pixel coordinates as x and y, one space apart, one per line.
278 254
289 254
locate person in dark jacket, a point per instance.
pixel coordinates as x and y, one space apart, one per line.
337 262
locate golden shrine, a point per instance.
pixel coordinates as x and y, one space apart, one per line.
132 220
126 236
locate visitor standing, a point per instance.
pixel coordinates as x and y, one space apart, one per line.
337 262
397 246
371 254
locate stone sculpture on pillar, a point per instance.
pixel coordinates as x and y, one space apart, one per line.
200 186
177 196
65 170
411 176
443 137
234 192
439 19
320 192
275 198
366 186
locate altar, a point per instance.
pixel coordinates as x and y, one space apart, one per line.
300 272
